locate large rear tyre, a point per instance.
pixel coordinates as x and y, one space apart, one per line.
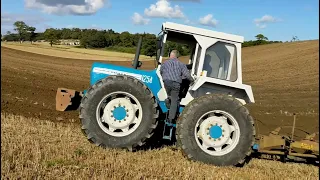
118 112
216 129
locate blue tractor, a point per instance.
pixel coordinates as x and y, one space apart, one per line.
124 106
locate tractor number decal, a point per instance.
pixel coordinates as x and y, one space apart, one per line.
146 79
143 78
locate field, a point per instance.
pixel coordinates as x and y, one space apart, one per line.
38 141
72 52
39 149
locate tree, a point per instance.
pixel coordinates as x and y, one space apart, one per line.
51 36
75 33
126 39
11 37
31 31
149 47
84 42
295 38
66 33
21 28
39 36
97 40
261 37
87 37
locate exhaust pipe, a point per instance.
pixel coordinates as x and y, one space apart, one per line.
136 62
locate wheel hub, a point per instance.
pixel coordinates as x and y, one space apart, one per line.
214 131
119 113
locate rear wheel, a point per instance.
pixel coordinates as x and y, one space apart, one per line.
118 112
216 129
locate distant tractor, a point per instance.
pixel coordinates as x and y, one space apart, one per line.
123 106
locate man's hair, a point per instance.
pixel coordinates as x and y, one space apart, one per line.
175 52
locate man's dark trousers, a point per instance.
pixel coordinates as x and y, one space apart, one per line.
173 89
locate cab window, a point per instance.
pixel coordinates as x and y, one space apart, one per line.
220 61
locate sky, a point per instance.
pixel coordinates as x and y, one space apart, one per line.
276 19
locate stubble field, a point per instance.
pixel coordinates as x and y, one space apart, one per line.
41 142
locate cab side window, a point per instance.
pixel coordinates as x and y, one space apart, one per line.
220 61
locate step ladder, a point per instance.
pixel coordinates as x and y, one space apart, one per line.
168 127
167 130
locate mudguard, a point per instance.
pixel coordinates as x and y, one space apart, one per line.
148 77
68 99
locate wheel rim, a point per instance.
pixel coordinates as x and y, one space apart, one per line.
217 132
119 114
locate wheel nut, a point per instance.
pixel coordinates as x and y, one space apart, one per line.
127 115
222 130
222 135
111 115
124 119
216 124
220 125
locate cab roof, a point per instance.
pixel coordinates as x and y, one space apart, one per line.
169 26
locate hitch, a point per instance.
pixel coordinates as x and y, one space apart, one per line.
68 99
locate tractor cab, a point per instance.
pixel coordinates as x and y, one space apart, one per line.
214 60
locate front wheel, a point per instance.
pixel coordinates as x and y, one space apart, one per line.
216 129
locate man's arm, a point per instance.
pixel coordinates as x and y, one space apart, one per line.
189 66
186 73
161 68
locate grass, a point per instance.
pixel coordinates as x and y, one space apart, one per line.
40 149
72 52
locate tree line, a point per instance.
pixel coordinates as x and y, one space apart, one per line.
261 39
106 39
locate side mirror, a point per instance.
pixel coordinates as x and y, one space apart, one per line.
139 63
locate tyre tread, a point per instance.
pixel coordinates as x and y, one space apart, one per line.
109 80
219 98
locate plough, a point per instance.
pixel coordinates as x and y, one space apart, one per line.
286 147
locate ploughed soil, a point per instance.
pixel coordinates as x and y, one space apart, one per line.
284 78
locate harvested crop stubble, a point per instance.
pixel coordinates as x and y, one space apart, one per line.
34 148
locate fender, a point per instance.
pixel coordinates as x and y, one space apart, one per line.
148 77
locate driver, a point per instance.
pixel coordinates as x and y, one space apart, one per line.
172 72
